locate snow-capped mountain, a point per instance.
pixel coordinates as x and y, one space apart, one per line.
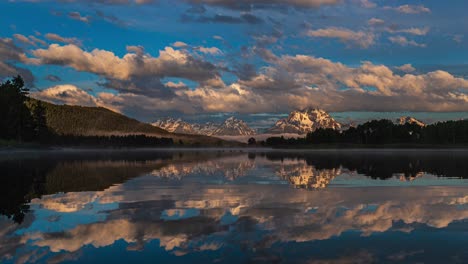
409 120
207 128
233 127
230 127
305 121
174 125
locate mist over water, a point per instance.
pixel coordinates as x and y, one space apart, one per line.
234 206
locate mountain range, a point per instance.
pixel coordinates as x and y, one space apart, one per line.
298 122
230 127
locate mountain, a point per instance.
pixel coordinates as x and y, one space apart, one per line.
230 127
304 121
207 128
233 127
409 120
99 121
174 126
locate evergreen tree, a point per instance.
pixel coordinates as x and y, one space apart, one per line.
15 117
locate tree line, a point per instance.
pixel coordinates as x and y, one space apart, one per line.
24 120
383 132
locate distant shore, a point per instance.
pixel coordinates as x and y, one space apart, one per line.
321 148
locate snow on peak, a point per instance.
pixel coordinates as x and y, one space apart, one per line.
409 120
305 121
230 127
234 127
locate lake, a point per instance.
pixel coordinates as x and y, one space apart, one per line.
234 206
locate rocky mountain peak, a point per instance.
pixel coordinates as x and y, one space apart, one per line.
409 120
305 121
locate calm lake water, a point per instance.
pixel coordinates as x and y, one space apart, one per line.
234 207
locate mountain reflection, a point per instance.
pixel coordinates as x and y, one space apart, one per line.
233 207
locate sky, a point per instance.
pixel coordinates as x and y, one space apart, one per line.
204 60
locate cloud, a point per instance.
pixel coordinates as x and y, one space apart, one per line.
285 83
137 77
224 19
410 9
413 31
24 39
251 4
170 63
458 38
66 94
37 40
79 17
180 44
53 78
358 38
112 19
10 54
406 68
100 2
375 22
58 38
209 50
367 3
403 41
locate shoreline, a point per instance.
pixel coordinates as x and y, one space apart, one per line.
19 150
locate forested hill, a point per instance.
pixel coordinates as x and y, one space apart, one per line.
91 121
99 121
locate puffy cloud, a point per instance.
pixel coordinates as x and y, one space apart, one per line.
406 68
286 83
66 94
136 72
209 50
58 38
359 38
179 44
410 9
403 41
170 63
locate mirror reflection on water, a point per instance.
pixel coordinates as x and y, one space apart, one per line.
227 206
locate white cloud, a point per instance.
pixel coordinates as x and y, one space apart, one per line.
24 39
180 44
209 50
406 68
403 41
367 3
359 38
79 17
413 31
170 63
66 94
375 22
58 38
410 9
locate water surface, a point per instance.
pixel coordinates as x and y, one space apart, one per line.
228 206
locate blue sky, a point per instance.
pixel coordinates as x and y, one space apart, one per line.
200 58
